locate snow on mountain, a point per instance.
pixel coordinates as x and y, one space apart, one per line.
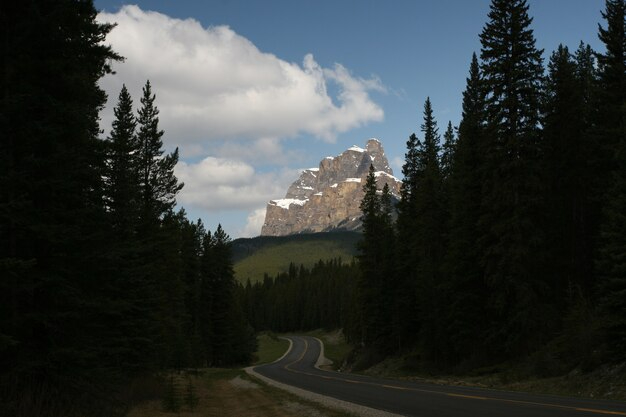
328 197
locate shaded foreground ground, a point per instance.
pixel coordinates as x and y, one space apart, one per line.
229 392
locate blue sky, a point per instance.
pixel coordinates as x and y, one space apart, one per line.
253 91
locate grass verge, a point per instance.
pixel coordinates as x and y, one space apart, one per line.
335 346
607 382
270 348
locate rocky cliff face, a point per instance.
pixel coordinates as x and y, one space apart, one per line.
328 198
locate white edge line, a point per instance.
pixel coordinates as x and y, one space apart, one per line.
322 360
324 400
287 351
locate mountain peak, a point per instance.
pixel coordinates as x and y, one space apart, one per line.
328 197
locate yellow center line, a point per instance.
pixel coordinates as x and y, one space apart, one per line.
449 394
592 410
306 347
472 397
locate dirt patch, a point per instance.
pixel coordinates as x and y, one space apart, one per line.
223 399
242 383
302 410
227 400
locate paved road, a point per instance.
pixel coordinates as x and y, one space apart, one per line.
297 368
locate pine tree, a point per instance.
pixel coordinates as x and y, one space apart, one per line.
611 263
466 316
376 264
430 235
368 286
588 222
227 337
510 235
611 130
122 180
158 182
191 252
612 83
205 299
53 233
449 146
566 173
406 323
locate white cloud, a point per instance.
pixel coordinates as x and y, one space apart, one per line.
260 151
254 223
216 184
212 83
396 165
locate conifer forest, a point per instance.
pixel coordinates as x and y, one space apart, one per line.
507 244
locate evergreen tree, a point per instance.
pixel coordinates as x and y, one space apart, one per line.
227 336
205 298
122 181
430 233
158 182
511 236
222 284
369 285
566 173
612 86
611 262
191 253
449 145
53 233
588 222
611 131
376 264
466 318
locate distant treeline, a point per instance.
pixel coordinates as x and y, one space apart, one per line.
510 241
101 282
302 298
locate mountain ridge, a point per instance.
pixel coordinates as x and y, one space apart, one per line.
327 198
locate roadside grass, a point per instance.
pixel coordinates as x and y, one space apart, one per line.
270 348
218 392
607 382
335 346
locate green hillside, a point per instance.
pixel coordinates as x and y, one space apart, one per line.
272 255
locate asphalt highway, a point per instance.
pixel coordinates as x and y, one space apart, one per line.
297 368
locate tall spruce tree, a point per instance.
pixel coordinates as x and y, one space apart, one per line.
134 342
191 252
611 130
221 283
158 182
52 220
121 179
430 234
612 85
373 286
228 336
449 146
407 323
566 177
511 235
466 318
589 220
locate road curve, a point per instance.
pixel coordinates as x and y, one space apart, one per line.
297 369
